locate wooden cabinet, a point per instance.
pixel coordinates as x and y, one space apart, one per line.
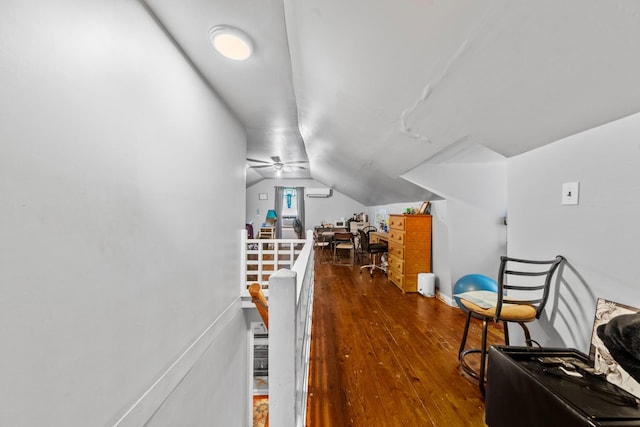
267 233
409 249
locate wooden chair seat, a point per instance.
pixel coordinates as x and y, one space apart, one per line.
509 313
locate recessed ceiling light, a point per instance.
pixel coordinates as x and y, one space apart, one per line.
230 42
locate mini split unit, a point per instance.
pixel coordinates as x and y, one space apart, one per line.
318 192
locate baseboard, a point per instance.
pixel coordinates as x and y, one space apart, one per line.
446 299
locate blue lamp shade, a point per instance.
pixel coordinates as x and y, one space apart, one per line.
271 218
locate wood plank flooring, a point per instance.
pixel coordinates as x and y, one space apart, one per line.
383 358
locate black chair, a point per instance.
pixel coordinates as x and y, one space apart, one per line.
298 229
373 249
522 293
369 228
356 231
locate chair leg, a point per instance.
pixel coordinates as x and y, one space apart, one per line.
483 356
527 335
324 251
326 254
480 374
373 263
337 256
464 335
506 333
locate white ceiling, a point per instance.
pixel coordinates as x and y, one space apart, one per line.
366 90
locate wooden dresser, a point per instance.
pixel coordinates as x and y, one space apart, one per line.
409 250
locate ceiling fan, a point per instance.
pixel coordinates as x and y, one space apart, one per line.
277 164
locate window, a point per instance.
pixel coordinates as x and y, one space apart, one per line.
289 206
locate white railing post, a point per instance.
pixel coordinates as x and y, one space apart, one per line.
243 261
290 299
282 348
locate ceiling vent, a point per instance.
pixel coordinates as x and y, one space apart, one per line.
318 192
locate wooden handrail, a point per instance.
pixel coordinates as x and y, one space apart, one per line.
258 298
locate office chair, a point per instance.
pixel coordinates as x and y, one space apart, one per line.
521 294
373 249
359 249
343 241
369 228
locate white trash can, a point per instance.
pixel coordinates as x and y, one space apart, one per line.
427 284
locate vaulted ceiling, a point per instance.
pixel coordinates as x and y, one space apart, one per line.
366 90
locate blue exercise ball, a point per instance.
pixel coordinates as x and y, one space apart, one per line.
473 282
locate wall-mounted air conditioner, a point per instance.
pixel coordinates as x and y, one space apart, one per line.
318 192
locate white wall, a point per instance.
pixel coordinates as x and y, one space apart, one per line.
316 209
440 241
468 232
599 237
121 200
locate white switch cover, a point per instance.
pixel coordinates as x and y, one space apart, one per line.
570 192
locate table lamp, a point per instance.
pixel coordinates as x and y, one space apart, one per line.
271 218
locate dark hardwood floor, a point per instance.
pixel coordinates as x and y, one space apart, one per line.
383 358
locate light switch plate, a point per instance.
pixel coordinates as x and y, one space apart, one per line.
570 193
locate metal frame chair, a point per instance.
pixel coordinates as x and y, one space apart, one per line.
323 242
522 293
374 250
343 241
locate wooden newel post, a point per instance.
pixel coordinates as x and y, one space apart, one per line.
258 298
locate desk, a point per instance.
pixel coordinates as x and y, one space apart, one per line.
520 393
327 234
333 231
378 236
